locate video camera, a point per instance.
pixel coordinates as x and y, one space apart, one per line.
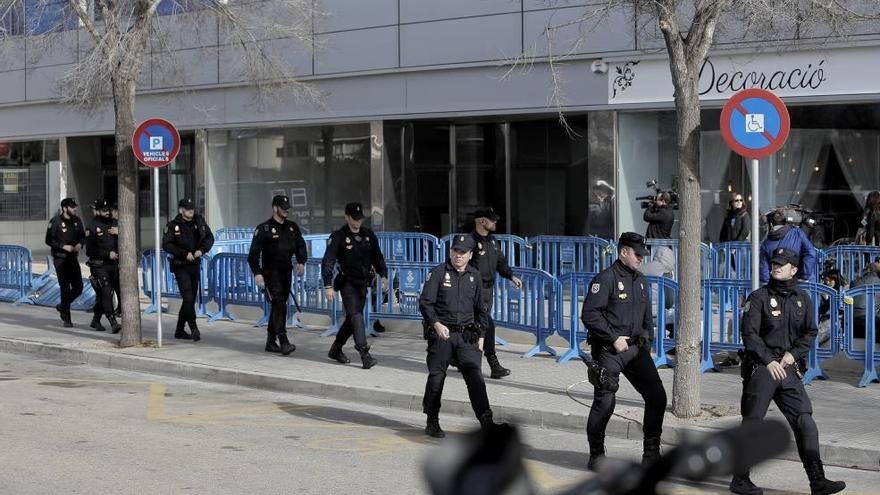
798 216
648 201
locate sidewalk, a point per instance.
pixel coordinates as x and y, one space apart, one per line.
535 392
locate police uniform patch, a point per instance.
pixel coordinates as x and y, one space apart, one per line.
63 225
776 313
619 285
348 240
595 288
799 303
256 231
273 230
357 238
480 246
291 228
773 302
622 295
429 276
747 306
472 278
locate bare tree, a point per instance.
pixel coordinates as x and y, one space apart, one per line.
689 29
119 32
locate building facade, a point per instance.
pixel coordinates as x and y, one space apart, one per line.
423 122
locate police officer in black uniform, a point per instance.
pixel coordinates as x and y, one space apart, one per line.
617 315
455 318
489 260
65 236
778 330
276 241
102 248
356 249
187 237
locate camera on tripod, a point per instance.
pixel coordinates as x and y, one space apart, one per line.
648 201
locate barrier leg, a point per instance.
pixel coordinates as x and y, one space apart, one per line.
540 346
574 350
815 367
265 319
870 375
706 362
500 341
333 329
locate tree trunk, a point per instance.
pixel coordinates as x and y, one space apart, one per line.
686 382
127 174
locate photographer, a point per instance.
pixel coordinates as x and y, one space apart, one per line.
660 217
783 234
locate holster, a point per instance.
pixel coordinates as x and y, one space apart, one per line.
96 283
747 366
471 334
427 331
338 282
599 376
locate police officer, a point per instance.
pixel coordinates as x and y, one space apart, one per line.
65 236
356 249
778 330
617 315
455 317
187 237
489 260
102 248
276 241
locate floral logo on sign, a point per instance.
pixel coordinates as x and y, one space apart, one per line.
625 75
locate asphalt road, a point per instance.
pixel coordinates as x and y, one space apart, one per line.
69 428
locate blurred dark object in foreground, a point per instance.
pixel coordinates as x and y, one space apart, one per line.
490 463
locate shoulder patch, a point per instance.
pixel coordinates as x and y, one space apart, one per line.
747 306
595 288
429 276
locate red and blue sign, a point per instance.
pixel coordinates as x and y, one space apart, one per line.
755 123
155 143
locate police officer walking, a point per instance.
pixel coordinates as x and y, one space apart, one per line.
356 249
102 248
276 241
455 318
617 315
187 237
778 330
489 260
65 236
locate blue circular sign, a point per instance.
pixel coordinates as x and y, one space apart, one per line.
155 143
755 123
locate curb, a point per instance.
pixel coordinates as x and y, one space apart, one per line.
618 427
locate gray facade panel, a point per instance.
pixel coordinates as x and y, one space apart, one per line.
48 50
341 15
363 49
197 66
11 54
432 10
462 40
12 83
232 59
41 83
548 4
179 32
612 33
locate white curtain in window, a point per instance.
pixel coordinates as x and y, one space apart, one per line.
714 161
859 158
804 150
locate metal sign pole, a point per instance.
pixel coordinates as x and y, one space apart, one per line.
756 225
157 260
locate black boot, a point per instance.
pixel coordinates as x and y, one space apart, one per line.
272 344
378 327
651 451
819 484
65 317
498 371
597 453
367 360
433 428
285 345
96 324
114 325
337 354
742 484
194 329
180 333
486 423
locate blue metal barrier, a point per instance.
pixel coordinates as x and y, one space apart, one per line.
234 284
851 260
412 276
733 260
234 233
316 244
577 286
46 291
515 248
721 300
707 255
819 351
536 308
409 246
239 246
169 283
16 264
559 255
662 289
869 354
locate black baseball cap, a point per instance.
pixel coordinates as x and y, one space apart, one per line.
68 203
354 210
281 201
635 241
782 256
487 212
186 204
101 204
463 243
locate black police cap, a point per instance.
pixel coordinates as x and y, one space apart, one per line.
101 204
68 203
463 243
783 256
354 210
635 241
186 204
487 212
281 201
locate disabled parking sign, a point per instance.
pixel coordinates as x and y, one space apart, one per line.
755 123
155 143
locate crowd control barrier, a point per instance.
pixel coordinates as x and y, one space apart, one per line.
570 327
234 233
515 248
733 260
403 303
707 255
851 260
868 354
316 244
234 284
16 264
238 246
409 246
823 350
169 283
559 255
664 291
721 317
536 308
45 291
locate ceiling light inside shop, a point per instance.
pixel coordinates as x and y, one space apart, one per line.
816 169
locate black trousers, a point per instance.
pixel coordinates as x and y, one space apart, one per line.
638 367
278 288
792 400
489 335
354 297
105 280
440 353
188 277
69 279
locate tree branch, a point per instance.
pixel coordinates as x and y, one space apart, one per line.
86 21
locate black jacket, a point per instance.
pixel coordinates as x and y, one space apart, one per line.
357 254
274 246
100 242
737 226
618 305
453 298
660 220
775 322
64 232
182 237
488 259
872 228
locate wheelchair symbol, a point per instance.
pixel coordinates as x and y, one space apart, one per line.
755 122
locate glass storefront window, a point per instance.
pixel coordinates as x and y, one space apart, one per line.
24 179
479 172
